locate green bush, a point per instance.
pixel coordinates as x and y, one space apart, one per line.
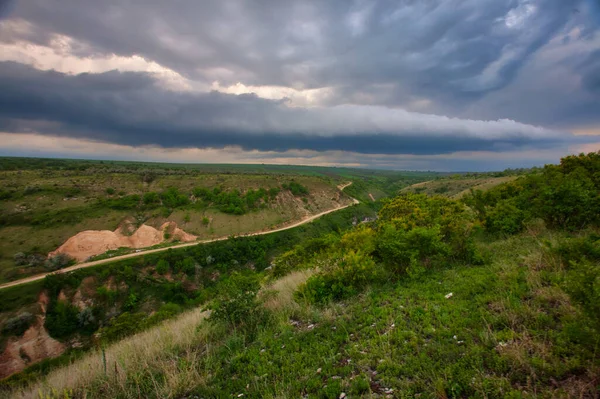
62 319
345 277
411 252
238 305
59 261
505 218
295 188
151 199
18 325
162 267
122 326
172 198
565 196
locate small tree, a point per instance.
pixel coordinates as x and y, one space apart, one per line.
162 267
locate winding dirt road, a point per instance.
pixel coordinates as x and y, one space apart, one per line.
189 244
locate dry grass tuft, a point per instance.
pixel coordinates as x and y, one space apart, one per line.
284 289
139 355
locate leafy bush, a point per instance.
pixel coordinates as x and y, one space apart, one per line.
29 260
172 198
18 325
151 199
59 261
565 196
162 267
416 232
122 326
345 277
411 251
110 191
86 321
360 239
295 188
505 218
238 305
62 319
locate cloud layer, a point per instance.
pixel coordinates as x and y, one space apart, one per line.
130 108
408 78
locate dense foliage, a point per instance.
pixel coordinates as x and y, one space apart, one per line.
565 196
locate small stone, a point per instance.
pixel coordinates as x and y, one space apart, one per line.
319 370
449 295
342 395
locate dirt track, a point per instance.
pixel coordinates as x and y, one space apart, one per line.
150 251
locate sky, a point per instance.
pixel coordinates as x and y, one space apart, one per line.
448 85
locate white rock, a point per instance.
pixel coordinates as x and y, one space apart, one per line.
448 296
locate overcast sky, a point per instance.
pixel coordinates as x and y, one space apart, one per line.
403 84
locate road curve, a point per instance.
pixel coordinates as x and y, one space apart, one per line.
189 244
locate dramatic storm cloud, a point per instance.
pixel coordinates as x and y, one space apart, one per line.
404 79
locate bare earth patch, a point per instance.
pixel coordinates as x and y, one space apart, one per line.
89 243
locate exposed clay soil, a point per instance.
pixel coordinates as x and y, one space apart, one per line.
95 242
35 345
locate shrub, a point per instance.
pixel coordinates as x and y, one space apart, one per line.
122 326
151 198
110 191
172 198
59 261
18 325
238 305
505 218
295 188
360 239
62 319
410 252
347 276
205 221
87 321
162 267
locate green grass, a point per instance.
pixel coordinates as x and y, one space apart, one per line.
508 330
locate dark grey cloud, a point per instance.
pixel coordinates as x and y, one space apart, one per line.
444 50
132 109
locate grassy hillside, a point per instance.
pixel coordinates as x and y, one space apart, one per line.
44 202
495 295
457 186
508 330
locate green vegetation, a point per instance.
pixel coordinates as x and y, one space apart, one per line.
125 294
45 202
494 294
437 298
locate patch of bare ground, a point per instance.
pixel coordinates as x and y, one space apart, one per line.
89 243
